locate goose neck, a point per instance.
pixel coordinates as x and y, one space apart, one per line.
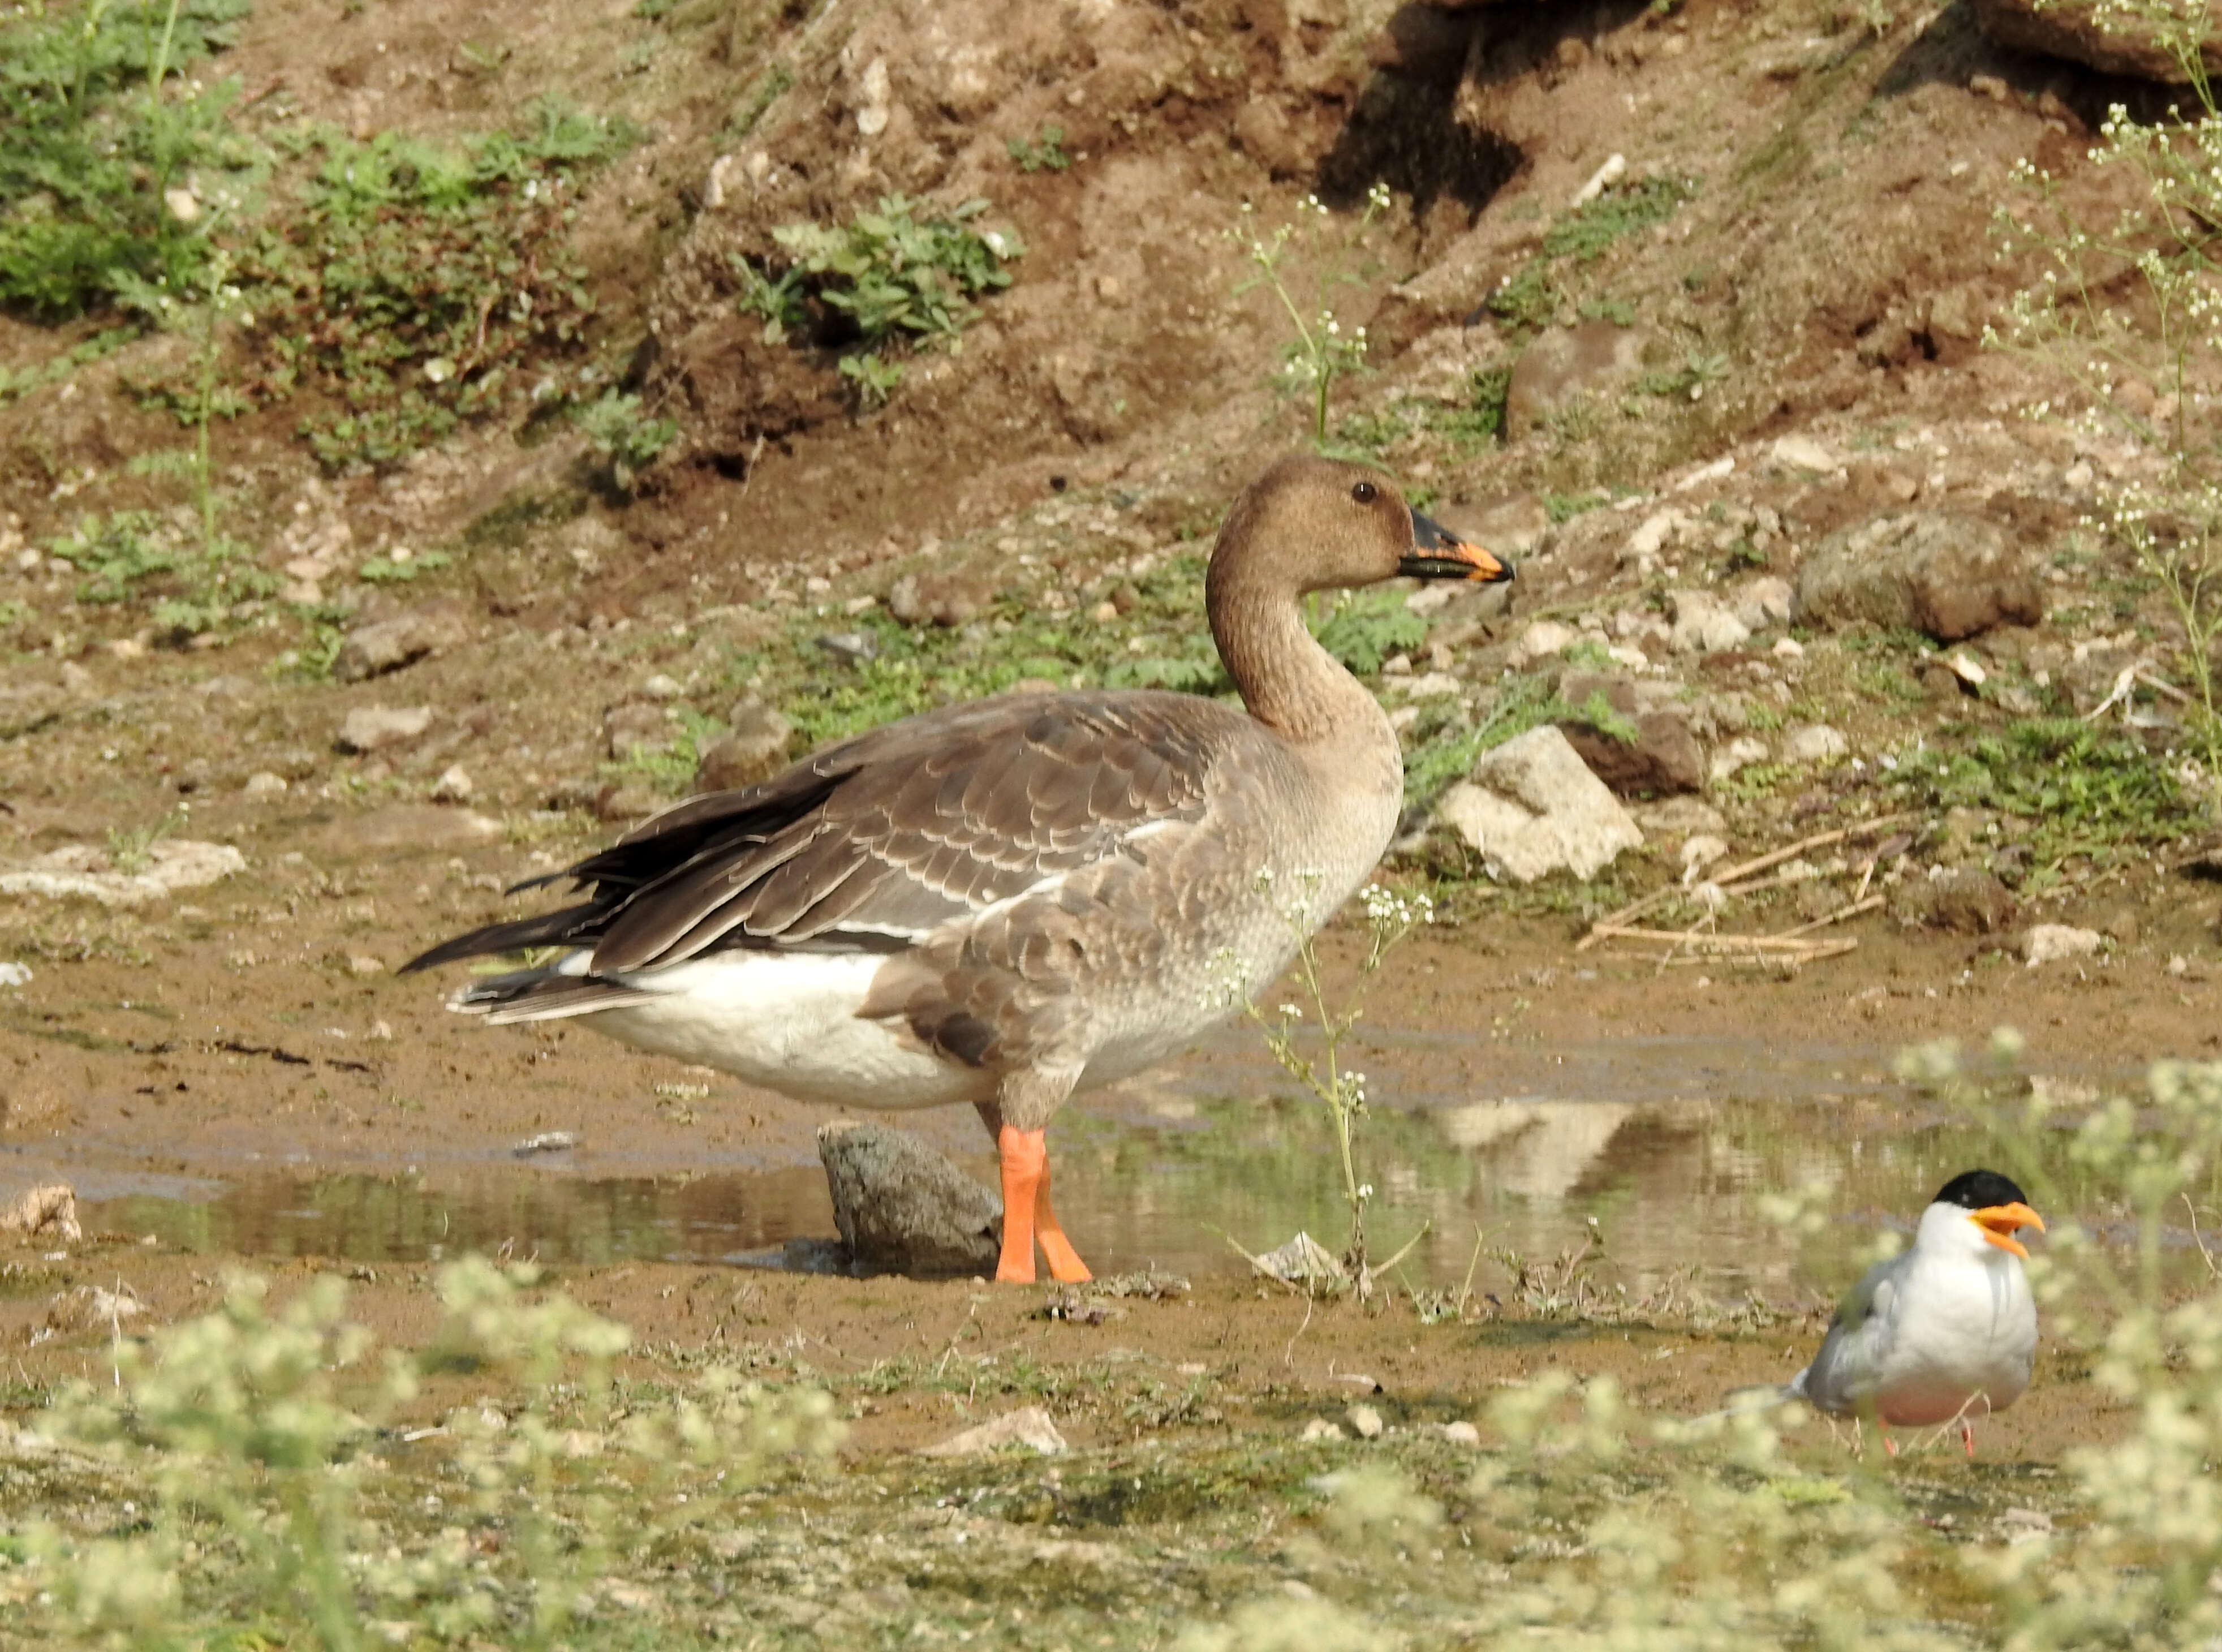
1287 680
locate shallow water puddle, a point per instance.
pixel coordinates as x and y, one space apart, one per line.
1646 1158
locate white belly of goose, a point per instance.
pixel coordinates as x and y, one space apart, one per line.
787 1022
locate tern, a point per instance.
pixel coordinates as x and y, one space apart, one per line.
1944 1332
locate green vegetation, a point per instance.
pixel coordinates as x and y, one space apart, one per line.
116 167
417 285
2078 787
625 434
185 583
889 278
2125 315
1044 153
1528 299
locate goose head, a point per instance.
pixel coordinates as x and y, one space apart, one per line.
1314 525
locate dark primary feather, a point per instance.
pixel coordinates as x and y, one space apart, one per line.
875 842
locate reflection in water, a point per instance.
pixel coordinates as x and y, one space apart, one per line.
1669 1146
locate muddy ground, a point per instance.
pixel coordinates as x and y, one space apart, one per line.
251 1033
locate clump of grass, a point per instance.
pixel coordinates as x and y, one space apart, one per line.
1042 153
1529 297
628 437
417 285
889 279
114 159
185 582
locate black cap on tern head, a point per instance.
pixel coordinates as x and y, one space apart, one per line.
1980 1189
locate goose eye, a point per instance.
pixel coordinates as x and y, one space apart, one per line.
1365 493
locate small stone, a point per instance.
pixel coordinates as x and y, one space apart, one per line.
1461 1433
1319 1428
1699 852
454 785
1763 602
376 728
1803 452
854 647
388 644
1029 1428
1432 685
661 687
2058 943
89 1308
44 1208
13 974
1703 624
635 726
1739 753
1104 613
1815 743
1544 639
1365 1422
362 965
1964 899
1788 648
1682 817
263 783
754 750
548 1141
902 1206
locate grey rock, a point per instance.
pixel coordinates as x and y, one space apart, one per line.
902 1206
1951 576
1965 899
1704 624
2071 29
1564 365
388 645
633 725
754 750
853 647
2059 942
376 728
1815 743
1532 808
93 1308
1682 817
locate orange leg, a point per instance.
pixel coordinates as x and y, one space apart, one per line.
1027 1213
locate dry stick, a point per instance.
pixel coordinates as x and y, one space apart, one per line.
1678 938
1853 910
1657 897
1754 960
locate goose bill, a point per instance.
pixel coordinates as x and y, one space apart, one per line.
1999 1222
1439 554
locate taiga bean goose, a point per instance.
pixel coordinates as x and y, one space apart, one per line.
1945 1332
1003 902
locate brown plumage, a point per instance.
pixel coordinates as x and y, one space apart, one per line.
1001 901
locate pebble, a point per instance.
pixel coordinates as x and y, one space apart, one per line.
548 1141
1803 452
453 785
1365 1421
1744 750
263 783
661 687
1462 1433
1030 1426
1816 742
19 974
854 646
363 965
373 728
2055 943
1320 1428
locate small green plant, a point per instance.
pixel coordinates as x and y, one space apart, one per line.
889 277
116 163
186 584
1044 153
1689 381
627 436
401 567
1362 629
1390 917
1320 350
1528 299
